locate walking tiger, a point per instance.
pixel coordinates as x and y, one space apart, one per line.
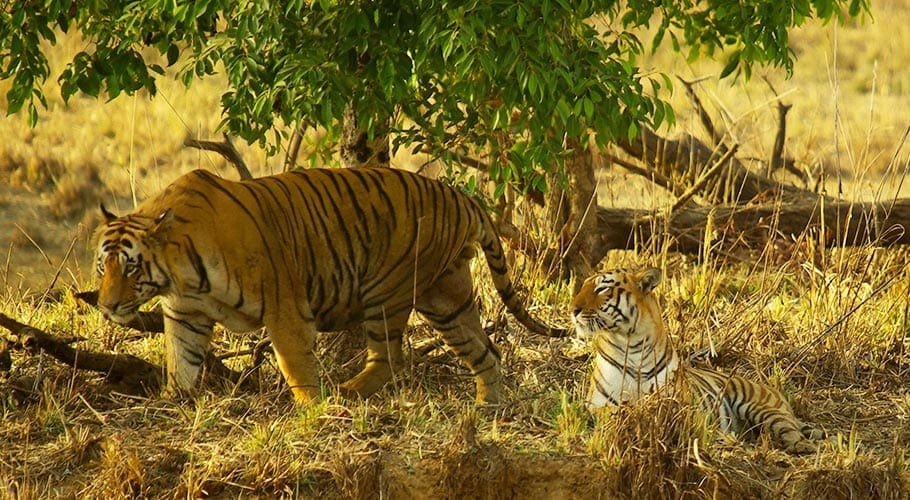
307 251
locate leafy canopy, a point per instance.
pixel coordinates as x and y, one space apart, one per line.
517 78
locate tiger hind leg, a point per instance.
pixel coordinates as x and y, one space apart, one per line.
384 355
770 412
796 436
449 306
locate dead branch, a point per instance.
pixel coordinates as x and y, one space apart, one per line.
705 177
133 372
651 175
842 223
777 152
703 115
226 149
124 368
778 160
685 158
145 321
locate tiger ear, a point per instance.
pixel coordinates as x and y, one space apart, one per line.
649 279
107 214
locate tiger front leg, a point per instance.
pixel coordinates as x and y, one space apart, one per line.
294 343
187 340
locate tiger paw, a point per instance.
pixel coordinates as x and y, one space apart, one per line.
814 434
802 447
305 394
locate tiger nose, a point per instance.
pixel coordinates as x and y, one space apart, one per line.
108 308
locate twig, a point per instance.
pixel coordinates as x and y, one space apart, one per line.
35 244
69 251
802 352
226 149
654 176
290 159
705 177
703 115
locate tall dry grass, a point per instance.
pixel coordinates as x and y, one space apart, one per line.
827 327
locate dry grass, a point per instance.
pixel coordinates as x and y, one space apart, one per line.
828 327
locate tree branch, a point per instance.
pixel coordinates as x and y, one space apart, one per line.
226 149
685 157
290 159
651 175
703 115
705 177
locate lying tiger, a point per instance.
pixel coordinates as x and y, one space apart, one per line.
308 251
635 357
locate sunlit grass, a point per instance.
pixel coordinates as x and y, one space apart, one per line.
827 327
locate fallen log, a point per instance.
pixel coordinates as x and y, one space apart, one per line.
844 223
136 374
127 369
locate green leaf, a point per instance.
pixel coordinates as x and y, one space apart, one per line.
173 53
32 115
732 64
90 84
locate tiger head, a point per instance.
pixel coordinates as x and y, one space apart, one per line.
130 275
617 302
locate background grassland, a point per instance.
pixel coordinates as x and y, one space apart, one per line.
828 327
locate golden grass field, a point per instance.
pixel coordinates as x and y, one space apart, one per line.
827 327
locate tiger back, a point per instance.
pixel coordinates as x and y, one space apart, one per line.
634 356
307 251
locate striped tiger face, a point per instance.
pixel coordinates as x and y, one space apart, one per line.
128 276
612 302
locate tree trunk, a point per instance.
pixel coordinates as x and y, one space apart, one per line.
571 212
356 149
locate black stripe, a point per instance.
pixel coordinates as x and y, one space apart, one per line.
476 362
603 390
197 329
256 223
451 316
198 266
383 336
